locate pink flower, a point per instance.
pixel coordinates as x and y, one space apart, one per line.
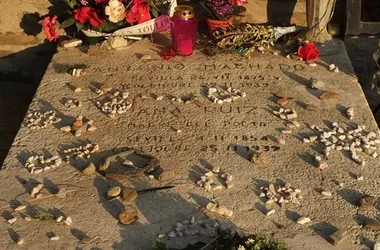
240 2
50 28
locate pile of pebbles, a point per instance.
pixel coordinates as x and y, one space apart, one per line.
38 120
81 151
116 103
220 96
78 125
353 140
209 184
39 163
281 194
72 103
193 227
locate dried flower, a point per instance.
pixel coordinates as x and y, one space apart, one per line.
115 11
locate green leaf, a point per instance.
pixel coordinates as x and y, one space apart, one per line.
79 25
67 23
154 12
71 3
159 246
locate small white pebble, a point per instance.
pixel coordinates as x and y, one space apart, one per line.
359 178
159 98
331 67
312 64
68 221
55 237
76 90
327 193
303 220
270 212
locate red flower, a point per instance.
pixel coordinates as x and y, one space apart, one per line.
308 52
86 13
168 54
139 12
49 28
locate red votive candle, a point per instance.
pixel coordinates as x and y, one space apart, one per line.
183 30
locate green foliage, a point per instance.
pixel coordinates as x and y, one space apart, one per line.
67 23
79 25
251 242
43 216
71 3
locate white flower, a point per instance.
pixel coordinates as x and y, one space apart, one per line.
115 11
249 241
241 247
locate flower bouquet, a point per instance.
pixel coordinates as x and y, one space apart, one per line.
222 12
102 18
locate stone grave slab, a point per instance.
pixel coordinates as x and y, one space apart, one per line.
189 139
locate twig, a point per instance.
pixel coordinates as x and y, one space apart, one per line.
52 195
203 248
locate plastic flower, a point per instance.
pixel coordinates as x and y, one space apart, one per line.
308 52
139 12
115 11
50 29
86 13
241 247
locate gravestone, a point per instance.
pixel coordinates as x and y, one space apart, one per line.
189 139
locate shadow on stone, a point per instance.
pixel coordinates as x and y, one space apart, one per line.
360 219
293 216
351 196
308 158
324 229
20 74
243 151
113 207
13 234
30 24
50 186
261 208
367 242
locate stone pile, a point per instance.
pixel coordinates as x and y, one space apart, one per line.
352 140
38 120
116 103
209 184
220 96
38 163
72 103
81 151
195 227
79 125
281 195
